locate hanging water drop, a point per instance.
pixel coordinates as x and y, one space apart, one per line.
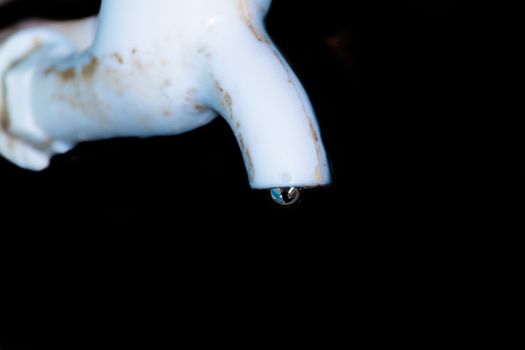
285 196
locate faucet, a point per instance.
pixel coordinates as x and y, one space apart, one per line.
161 67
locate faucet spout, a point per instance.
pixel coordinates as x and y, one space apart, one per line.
269 112
265 104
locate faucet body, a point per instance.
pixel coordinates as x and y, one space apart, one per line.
160 67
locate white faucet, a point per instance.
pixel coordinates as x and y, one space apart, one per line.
160 67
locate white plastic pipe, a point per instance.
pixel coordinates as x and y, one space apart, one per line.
160 67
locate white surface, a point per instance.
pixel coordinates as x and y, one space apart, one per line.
162 67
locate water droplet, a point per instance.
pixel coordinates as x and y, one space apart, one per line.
286 195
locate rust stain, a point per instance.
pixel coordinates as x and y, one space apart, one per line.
312 130
315 135
318 174
199 107
65 75
89 69
247 157
204 51
4 113
251 169
118 57
248 19
226 100
190 95
241 142
70 74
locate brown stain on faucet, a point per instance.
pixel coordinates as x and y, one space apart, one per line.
90 68
226 99
81 93
4 112
118 57
313 131
318 174
246 152
199 107
64 75
204 52
247 18
318 149
251 168
70 73
227 103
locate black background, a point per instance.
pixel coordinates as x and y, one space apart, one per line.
395 87
415 148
